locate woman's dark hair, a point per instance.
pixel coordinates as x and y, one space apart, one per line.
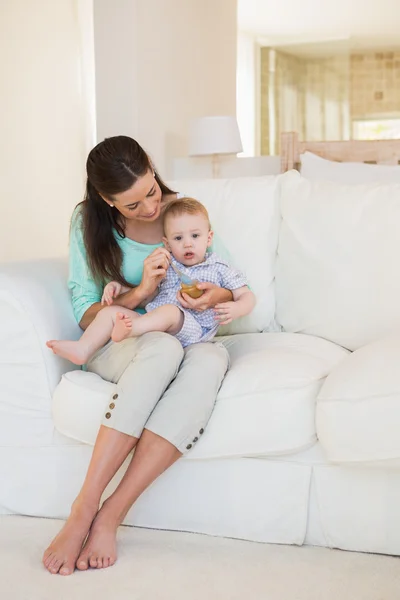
112 167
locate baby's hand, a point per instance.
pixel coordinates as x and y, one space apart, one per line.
111 291
226 312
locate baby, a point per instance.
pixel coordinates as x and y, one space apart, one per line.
188 235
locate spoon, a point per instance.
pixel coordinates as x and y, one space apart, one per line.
184 278
188 285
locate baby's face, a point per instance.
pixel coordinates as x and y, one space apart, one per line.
187 237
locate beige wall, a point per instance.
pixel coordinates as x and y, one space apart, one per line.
375 84
162 63
42 124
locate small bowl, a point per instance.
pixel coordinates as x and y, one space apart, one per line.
191 290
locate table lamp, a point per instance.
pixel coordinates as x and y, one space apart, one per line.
212 136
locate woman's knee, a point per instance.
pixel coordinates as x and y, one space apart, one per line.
166 347
213 357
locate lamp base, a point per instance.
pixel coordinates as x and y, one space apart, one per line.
215 162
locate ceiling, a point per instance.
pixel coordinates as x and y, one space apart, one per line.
315 27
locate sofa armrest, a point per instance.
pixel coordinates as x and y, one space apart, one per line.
34 306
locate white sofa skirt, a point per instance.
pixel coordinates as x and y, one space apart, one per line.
294 499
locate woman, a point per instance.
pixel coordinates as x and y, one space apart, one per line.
165 396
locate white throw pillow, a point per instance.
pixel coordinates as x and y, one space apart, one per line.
358 408
244 213
338 271
316 168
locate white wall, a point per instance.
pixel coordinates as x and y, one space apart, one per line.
160 63
115 41
313 20
44 133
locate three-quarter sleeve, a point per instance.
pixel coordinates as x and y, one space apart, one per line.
84 290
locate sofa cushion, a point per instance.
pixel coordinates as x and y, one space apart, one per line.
84 394
358 409
317 168
266 405
337 267
244 213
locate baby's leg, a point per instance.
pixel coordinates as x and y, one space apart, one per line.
168 318
95 336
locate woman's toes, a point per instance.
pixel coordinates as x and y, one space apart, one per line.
67 568
99 563
54 566
106 562
93 562
47 559
82 564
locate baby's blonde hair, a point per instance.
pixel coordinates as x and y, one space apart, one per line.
185 206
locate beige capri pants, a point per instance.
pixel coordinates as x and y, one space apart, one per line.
161 387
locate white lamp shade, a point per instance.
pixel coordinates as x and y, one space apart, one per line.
214 135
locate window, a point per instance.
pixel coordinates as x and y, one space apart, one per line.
376 129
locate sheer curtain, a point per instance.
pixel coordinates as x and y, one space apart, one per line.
246 90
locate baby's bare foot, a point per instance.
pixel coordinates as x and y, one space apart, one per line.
60 557
100 549
75 352
122 328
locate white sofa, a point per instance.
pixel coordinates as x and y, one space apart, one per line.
303 445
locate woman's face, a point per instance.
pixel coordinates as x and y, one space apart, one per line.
142 202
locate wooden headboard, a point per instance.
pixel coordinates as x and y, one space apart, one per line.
376 151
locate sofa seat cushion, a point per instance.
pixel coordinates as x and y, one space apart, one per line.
266 405
358 409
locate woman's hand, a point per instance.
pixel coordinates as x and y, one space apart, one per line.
154 269
213 294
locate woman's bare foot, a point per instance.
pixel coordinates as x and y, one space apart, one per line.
122 327
100 549
60 557
72 351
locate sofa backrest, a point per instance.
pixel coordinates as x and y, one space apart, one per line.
322 258
338 273
244 213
